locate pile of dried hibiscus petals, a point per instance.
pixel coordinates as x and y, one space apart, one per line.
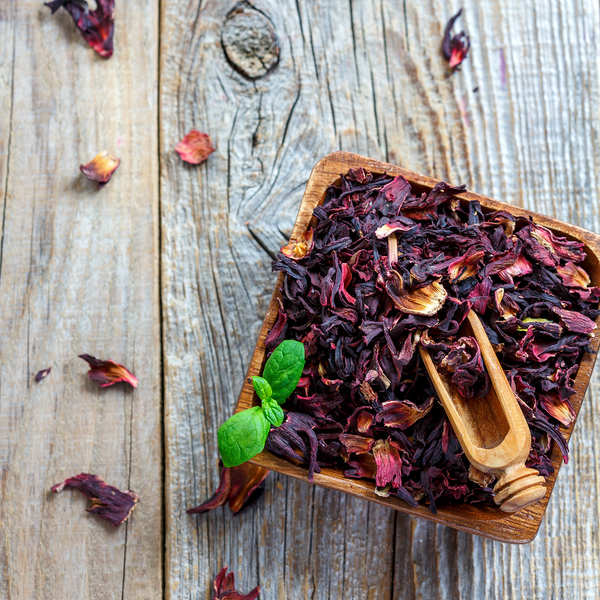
365 403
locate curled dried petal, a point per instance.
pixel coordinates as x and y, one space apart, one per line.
195 147
224 586
96 26
573 276
426 300
108 502
389 228
561 410
101 167
238 486
455 48
107 372
403 414
465 266
297 250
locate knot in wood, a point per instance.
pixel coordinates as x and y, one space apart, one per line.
249 41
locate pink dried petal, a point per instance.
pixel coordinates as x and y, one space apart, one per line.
108 502
42 374
195 147
224 586
237 486
575 321
346 280
520 267
389 464
96 26
297 250
403 414
106 372
356 444
101 167
573 276
389 228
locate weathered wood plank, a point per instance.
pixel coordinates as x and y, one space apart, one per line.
79 273
365 76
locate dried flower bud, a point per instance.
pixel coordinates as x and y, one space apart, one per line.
455 48
106 372
195 147
101 167
108 502
297 250
425 300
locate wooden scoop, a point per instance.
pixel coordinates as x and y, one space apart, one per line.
492 430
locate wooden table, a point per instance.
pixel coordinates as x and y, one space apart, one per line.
167 269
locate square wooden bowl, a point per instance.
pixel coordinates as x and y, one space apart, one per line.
520 527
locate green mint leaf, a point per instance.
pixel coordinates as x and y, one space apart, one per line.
283 369
262 388
273 412
242 436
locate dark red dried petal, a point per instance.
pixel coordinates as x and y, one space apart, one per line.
224 586
96 26
107 372
108 502
42 374
575 321
195 147
403 414
101 167
455 48
238 486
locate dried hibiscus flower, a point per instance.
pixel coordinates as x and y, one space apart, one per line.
106 372
96 26
108 502
101 167
238 486
195 147
365 404
42 374
224 586
455 47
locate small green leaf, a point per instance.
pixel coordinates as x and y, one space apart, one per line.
283 369
242 436
273 412
262 388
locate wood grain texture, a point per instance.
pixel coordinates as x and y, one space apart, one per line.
364 76
78 273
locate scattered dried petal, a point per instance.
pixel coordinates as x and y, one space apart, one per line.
96 26
108 502
389 464
195 147
455 48
224 586
42 374
238 486
101 167
106 372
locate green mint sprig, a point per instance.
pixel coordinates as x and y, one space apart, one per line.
244 435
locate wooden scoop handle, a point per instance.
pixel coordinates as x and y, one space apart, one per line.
518 487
